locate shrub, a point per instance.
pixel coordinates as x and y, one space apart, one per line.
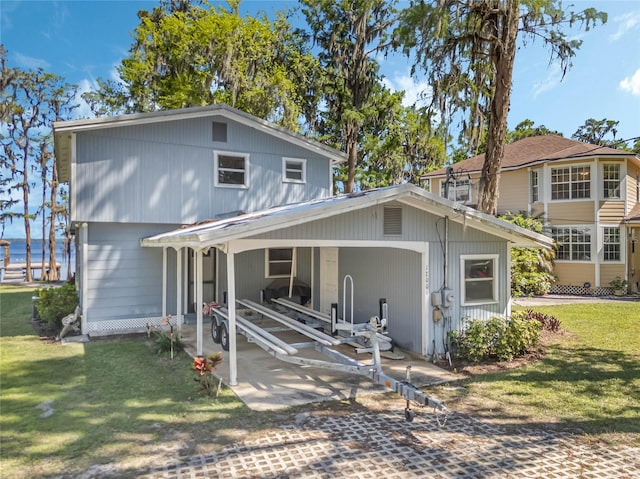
497 338
548 321
167 342
531 268
55 303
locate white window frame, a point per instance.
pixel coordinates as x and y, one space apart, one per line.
464 280
216 164
267 264
534 186
619 243
618 196
571 182
461 185
303 164
573 230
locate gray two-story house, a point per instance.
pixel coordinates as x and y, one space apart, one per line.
174 208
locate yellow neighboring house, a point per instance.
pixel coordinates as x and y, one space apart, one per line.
587 196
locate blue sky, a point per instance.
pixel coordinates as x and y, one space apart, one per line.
85 40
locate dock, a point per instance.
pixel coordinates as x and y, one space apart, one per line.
17 272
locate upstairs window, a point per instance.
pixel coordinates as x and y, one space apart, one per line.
279 262
534 186
571 183
294 170
611 180
574 244
231 169
611 244
479 282
459 190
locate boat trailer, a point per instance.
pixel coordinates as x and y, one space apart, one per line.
371 334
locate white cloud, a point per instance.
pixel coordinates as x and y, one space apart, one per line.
632 84
554 76
414 93
30 63
627 22
83 111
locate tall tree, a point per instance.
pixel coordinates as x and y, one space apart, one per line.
29 104
594 132
349 35
187 54
468 50
527 128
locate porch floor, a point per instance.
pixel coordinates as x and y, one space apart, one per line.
266 383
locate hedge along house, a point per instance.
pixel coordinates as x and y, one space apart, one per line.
434 261
258 205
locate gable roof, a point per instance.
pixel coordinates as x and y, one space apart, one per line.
63 130
260 222
538 149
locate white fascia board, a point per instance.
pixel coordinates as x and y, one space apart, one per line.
241 245
336 156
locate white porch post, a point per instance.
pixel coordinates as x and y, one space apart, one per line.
164 282
84 277
231 307
424 270
185 275
198 270
179 290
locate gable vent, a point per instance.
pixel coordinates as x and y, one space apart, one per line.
219 131
392 220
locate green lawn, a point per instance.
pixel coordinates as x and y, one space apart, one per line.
113 400
116 401
588 381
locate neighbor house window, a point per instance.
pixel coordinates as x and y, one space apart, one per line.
534 186
479 282
611 180
294 170
459 190
571 183
611 243
231 169
279 262
574 244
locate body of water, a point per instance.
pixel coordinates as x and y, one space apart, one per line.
18 254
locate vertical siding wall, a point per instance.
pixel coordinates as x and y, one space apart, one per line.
385 273
124 280
167 171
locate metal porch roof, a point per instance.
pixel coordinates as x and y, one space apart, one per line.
251 224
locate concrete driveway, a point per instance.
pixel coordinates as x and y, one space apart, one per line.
266 383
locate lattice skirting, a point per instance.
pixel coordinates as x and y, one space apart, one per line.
130 325
580 290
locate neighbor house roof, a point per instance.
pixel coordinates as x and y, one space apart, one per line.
260 222
63 131
538 149
634 215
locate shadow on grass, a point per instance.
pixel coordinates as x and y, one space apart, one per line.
65 408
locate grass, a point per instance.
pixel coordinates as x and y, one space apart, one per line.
115 401
588 381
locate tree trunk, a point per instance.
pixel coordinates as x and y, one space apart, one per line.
53 267
351 139
502 57
25 205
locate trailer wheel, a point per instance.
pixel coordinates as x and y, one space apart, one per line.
224 336
409 415
215 331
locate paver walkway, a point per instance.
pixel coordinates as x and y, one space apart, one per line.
383 445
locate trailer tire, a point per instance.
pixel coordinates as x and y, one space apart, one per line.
215 331
224 336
